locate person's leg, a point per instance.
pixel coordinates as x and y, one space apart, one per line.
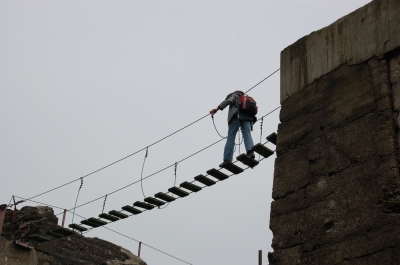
246 132
230 140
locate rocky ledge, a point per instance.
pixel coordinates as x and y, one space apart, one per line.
69 250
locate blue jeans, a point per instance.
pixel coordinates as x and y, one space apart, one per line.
230 141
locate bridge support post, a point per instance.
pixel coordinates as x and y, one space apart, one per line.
140 247
63 220
3 209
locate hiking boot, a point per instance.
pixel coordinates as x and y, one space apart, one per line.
225 161
251 154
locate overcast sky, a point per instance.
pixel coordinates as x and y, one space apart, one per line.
85 83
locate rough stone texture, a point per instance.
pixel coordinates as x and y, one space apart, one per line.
71 250
12 255
132 260
336 180
372 30
38 220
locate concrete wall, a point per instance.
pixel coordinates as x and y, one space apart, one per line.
336 180
372 30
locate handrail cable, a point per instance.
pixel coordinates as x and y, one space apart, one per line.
130 184
205 186
70 210
146 245
263 80
119 160
165 168
110 230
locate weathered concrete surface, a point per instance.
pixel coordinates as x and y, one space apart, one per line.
372 30
71 250
336 180
13 255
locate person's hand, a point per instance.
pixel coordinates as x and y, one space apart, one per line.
213 111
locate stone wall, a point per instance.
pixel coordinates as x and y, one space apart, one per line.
336 180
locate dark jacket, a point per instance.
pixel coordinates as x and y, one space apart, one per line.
232 100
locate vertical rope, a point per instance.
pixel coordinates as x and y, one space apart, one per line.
176 165
239 140
141 174
159 207
80 187
261 126
9 203
104 203
175 169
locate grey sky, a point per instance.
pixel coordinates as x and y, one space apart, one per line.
85 83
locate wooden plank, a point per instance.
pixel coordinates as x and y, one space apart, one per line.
178 191
190 186
228 165
97 221
118 214
39 238
217 174
63 231
154 201
88 223
273 137
108 217
263 150
143 205
164 197
204 180
248 161
54 234
78 227
131 209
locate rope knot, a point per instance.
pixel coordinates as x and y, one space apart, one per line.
104 203
176 165
80 187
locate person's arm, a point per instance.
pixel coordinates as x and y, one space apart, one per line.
213 111
228 101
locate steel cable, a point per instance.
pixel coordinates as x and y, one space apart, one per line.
111 231
119 160
172 165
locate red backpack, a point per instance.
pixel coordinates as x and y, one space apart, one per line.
248 105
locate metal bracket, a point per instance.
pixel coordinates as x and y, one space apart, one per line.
19 243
